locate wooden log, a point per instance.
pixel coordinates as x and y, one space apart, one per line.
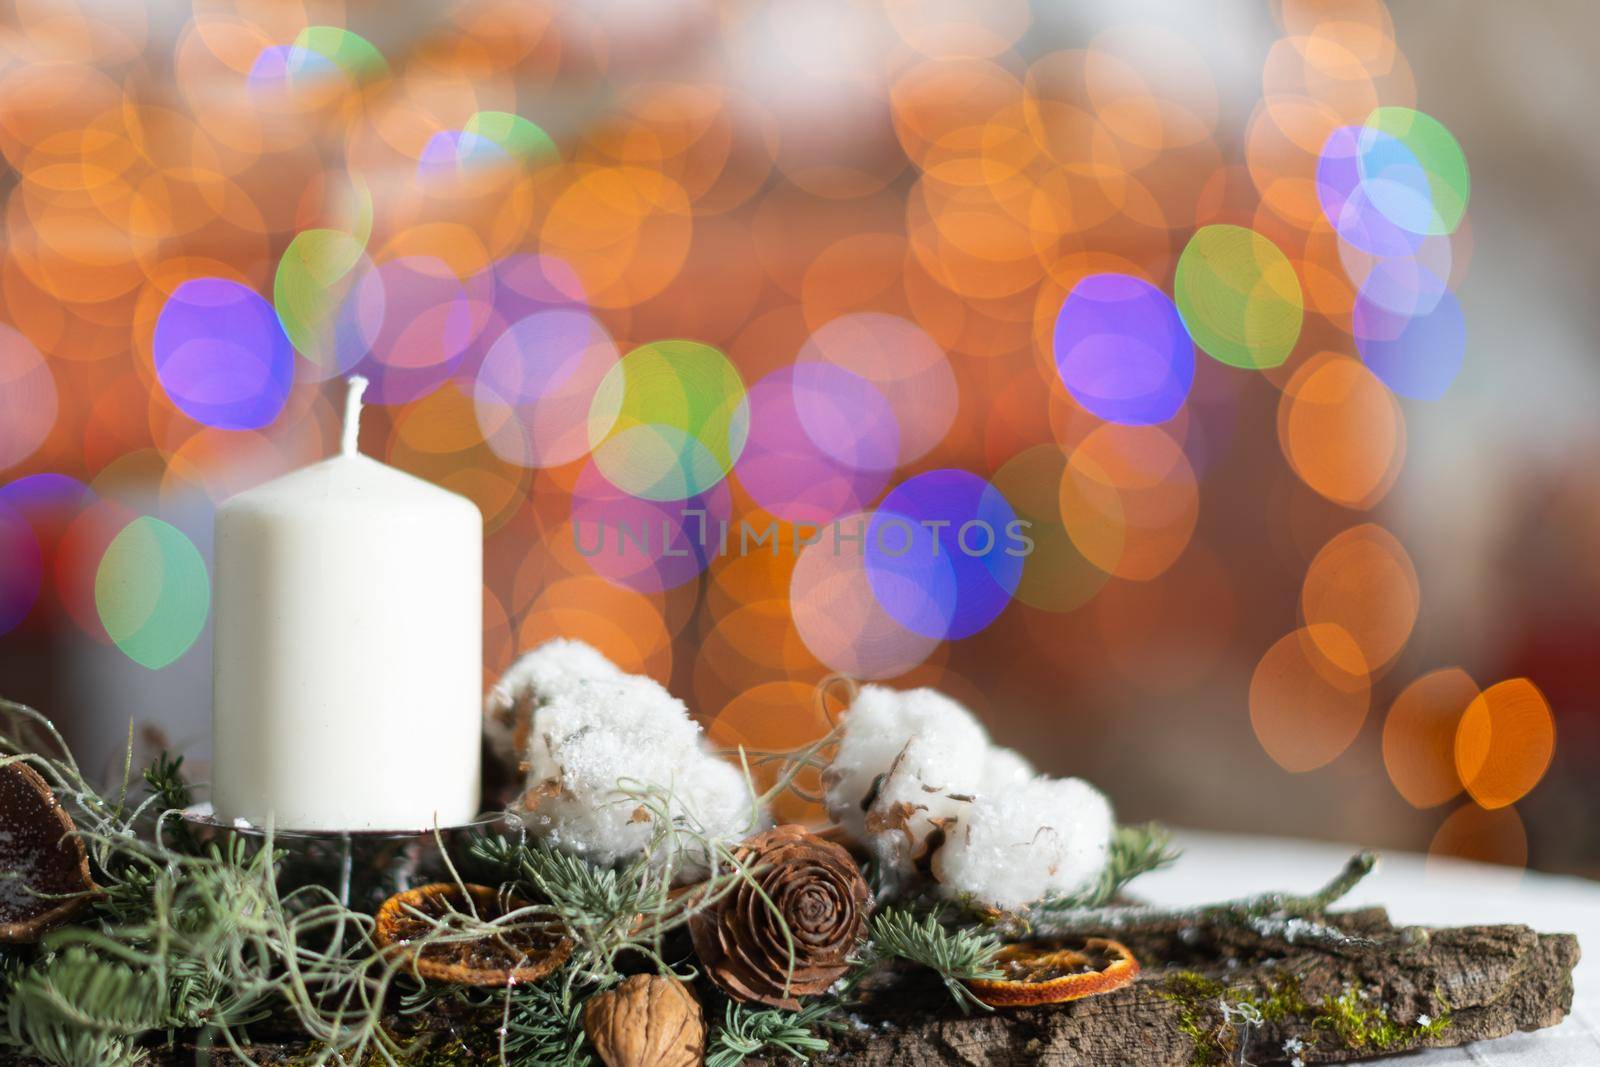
1209 994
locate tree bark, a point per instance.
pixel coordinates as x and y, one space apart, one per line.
1339 1005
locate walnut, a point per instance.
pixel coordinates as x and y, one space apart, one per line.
647 1021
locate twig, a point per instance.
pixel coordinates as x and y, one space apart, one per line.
1292 918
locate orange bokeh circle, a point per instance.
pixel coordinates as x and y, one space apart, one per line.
1505 742
1306 709
1419 736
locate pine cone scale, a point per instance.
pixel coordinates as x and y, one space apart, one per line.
788 931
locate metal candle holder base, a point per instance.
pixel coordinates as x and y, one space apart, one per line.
362 868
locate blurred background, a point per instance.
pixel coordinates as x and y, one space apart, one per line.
1273 321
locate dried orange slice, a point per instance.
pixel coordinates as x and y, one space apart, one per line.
407 924
1053 972
44 869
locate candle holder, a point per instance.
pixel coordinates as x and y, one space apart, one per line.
362 868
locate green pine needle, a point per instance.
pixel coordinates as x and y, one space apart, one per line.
956 955
77 1009
600 907
544 1027
747 1031
172 794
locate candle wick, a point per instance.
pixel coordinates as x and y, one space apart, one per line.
357 385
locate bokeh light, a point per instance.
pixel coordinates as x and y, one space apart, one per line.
1056 575
669 420
537 384
1363 591
904 363
1414 170
1122 350
1504 742
823 442
1346 200
628 627
1305 707
838 613
313 279
1481 836
1129 500
28 398
642 543
21 574
152 592
222 356
1416 355
405 324
776 717
1419 736
1239 297
1341 430
349 51
944 553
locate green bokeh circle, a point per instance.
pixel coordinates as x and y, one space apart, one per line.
669 420
1239 297
152 592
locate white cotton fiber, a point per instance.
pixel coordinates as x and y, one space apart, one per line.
552 667
906 762
536 677
594 747
1005 767
714 798
1043 838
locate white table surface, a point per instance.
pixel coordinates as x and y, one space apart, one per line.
1416 891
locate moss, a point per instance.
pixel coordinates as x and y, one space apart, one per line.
1207 1009
1194 994
1275 1002
1361 1024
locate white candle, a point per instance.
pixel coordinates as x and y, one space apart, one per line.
348 641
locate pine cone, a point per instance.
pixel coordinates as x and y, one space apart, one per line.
818 890
647 1021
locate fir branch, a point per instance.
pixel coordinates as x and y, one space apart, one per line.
543 1027
747 1031
172 794
164 776
78 1009
601 908
956 954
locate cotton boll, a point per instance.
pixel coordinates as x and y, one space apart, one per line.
715 799
551 668
930 784
1044 838
879 725
906 761
536 677
588 745
1004 768
594 747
